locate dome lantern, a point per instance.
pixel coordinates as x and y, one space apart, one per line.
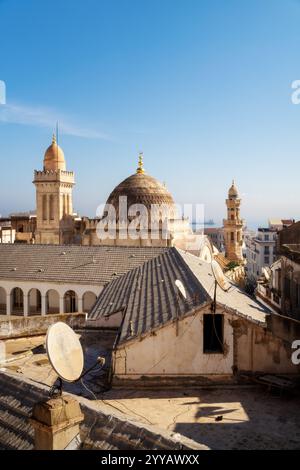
140 169
233 191
54 158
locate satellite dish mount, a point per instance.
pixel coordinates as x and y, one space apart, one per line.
65 355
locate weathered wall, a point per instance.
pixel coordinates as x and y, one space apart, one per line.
165 352
37 325
249 347
111 321
262 349
284 327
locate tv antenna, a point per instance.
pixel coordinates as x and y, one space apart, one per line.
220 280
65 355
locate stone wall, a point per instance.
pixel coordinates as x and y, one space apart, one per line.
17 327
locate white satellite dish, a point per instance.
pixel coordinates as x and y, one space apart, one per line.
266 273
219 276
64 352
181 288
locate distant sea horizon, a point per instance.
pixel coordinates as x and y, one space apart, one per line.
216 223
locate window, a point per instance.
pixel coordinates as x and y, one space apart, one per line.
287 287
51 206
44 208
266 238
213 334
297 294
267 250
232 236
267 260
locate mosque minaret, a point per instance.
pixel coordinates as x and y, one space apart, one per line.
54 204
233 227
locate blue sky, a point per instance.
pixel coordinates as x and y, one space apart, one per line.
202 87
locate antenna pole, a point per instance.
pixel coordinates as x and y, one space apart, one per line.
57 140
214 303
177 308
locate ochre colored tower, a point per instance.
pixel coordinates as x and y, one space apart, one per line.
54 206
233 227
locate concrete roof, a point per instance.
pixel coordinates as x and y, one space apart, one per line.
151 299
70 263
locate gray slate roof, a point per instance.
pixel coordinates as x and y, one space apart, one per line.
151 299
70 263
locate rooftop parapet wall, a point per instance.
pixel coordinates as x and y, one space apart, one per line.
59 175
18 327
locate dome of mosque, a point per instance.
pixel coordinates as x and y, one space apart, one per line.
54 158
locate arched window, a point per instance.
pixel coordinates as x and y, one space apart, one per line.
70 302
2 301
52 301
34 302
51 206
17 301
89 298
69 204
44 208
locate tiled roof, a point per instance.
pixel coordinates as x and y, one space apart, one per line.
235 299
78 264
151 299
103 427
150 295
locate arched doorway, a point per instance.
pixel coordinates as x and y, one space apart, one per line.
2 301
70 302
17 301
52 301
34 302
89 298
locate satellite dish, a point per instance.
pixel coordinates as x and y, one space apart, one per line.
266 273
64 352
219 276
181 288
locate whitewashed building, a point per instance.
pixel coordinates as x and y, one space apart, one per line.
261 249
45 279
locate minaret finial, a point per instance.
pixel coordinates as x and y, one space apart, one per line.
140 169
53 139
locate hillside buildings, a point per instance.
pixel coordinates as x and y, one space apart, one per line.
261 249
281 288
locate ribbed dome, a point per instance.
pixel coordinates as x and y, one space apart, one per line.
54 158
140 189
233 191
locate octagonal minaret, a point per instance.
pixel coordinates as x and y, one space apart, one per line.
54 205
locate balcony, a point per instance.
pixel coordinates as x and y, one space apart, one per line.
239 222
